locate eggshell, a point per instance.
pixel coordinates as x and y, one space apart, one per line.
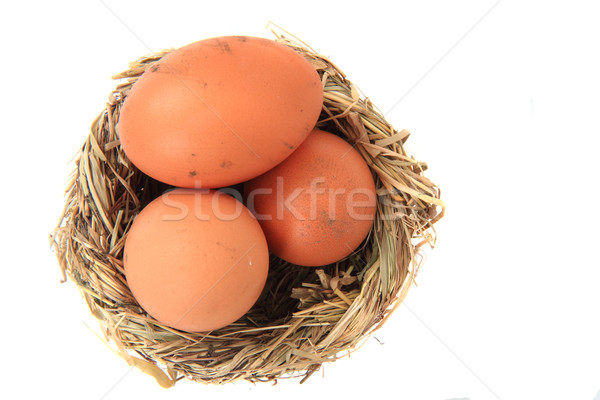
219 111
318 205
196 260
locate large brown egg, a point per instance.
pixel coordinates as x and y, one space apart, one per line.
318 205
196 260
219 111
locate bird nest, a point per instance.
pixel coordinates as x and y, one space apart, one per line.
305 316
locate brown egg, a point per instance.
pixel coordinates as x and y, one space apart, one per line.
219 111
318 205
196 260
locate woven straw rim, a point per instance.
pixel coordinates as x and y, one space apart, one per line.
306 316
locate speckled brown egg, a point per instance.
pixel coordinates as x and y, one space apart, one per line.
318 205
219 111
196 260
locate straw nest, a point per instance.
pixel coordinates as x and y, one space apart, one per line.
305 316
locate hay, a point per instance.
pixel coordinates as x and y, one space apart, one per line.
305 316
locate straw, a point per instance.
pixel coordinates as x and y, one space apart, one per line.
305 316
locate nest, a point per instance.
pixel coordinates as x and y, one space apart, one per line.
305 316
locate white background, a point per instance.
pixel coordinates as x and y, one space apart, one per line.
507 304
